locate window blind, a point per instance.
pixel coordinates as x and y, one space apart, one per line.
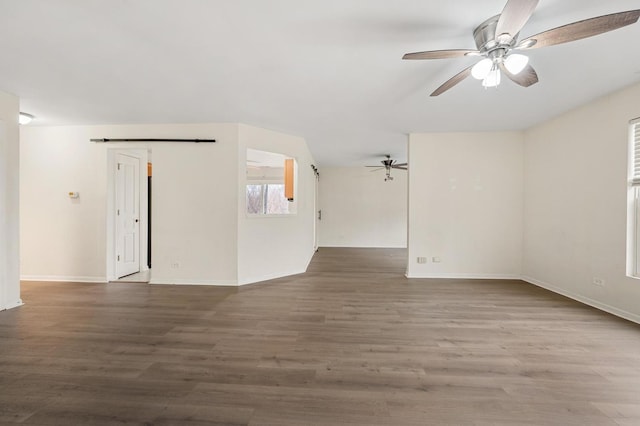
635 140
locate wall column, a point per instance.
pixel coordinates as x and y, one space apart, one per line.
9 203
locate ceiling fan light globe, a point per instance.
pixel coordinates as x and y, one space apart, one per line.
515 63
481 70
493 79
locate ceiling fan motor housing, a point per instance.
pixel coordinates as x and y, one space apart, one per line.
486 40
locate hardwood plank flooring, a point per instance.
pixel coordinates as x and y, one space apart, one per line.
350 342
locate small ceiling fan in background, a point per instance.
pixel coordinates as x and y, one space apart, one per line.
497 37
387 165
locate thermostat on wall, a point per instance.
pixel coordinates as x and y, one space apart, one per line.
74 195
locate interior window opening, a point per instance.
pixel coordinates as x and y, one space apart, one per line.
271 183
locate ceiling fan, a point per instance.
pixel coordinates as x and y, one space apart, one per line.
497 38
389 164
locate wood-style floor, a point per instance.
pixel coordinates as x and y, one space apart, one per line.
350 342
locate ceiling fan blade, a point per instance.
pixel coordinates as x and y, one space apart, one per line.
453 81
440 54
582 29
376 168
399 167
515 14
525 78
400 164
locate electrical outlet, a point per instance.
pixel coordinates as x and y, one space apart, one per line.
421 260
598 281
175 265
436 259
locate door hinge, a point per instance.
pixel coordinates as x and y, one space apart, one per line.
118 166
118 212
118 258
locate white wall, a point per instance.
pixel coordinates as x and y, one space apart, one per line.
360 209
270 247
200 232
575 204
62 238
194 202
9 202
465 205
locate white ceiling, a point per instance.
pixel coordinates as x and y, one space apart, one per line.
329 71
257 158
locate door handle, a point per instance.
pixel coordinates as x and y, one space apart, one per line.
137 221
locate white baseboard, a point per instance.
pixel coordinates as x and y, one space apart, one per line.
338 245
267 277
583 299
172 281
310 258
12 305
464 276
62 278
